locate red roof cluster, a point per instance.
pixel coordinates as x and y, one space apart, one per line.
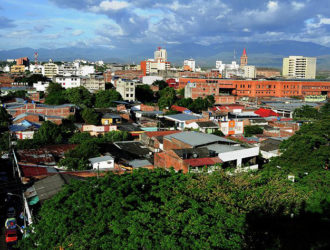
179 108
265 112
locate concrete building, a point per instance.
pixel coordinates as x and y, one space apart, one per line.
190 63
102 163
159 63
15 69
192 151
50 69
68 81
202 87
23 61
249 71
299 67
151 79
126 89
93 82
267 73
41 86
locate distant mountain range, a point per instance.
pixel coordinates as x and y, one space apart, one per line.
261 54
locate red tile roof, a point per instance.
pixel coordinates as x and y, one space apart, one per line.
202 161
162 133
265 112
178 108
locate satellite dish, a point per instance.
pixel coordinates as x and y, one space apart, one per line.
195 155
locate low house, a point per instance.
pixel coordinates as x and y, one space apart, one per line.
154 140
258 122
102 163
94 130
111 119
233 127
270 147
181 120
204 126
24 130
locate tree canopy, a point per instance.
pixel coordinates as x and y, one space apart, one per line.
168 210
106 98
252 130
306 112
90 116
161 84
79 96
55 94
143 93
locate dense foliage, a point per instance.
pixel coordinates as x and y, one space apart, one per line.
106 98
197 105
161 84
166 210
143 93
306 112
252 130
81 96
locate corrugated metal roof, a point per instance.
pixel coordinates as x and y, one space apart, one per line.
197 139
100 159
182 117
220 148
139 163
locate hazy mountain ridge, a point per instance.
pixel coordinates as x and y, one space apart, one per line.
262 54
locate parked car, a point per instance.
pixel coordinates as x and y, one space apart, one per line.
10 223
11 235
11 212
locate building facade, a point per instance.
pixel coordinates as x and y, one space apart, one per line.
93 82
68 81
199 87
50 69
190 63
126 89
299 67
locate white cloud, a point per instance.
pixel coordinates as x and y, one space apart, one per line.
272 6
297 5
110 6
77 32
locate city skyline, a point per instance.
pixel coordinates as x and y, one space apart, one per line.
118 25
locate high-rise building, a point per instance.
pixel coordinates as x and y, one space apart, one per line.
126 89
299 67
50 69
244 58
249 71
152 66
190 63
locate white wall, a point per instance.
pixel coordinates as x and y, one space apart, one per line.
104 165
239 155
150 79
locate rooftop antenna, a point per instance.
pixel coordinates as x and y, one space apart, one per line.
36 58
234 55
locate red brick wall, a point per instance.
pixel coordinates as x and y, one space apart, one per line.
169 159
32 108
174 144
148 108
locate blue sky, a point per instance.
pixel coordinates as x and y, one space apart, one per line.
136 23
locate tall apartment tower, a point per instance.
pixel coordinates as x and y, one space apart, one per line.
299 67
244 58
160 55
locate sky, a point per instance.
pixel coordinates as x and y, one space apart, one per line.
137 23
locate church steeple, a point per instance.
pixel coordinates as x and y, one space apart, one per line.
244 58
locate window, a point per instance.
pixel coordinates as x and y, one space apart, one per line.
131 95
127 95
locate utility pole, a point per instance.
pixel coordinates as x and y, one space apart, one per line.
98 169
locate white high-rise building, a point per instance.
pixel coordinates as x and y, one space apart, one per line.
190 63
50 69
249 71
299 67
160 55
126 89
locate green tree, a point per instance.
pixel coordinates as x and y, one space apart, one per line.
143 93
167 210
55 94
90 116
106 98
307 150
306 112
48 133
5 119
218 133
167 98
79 96
161 84
252 130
